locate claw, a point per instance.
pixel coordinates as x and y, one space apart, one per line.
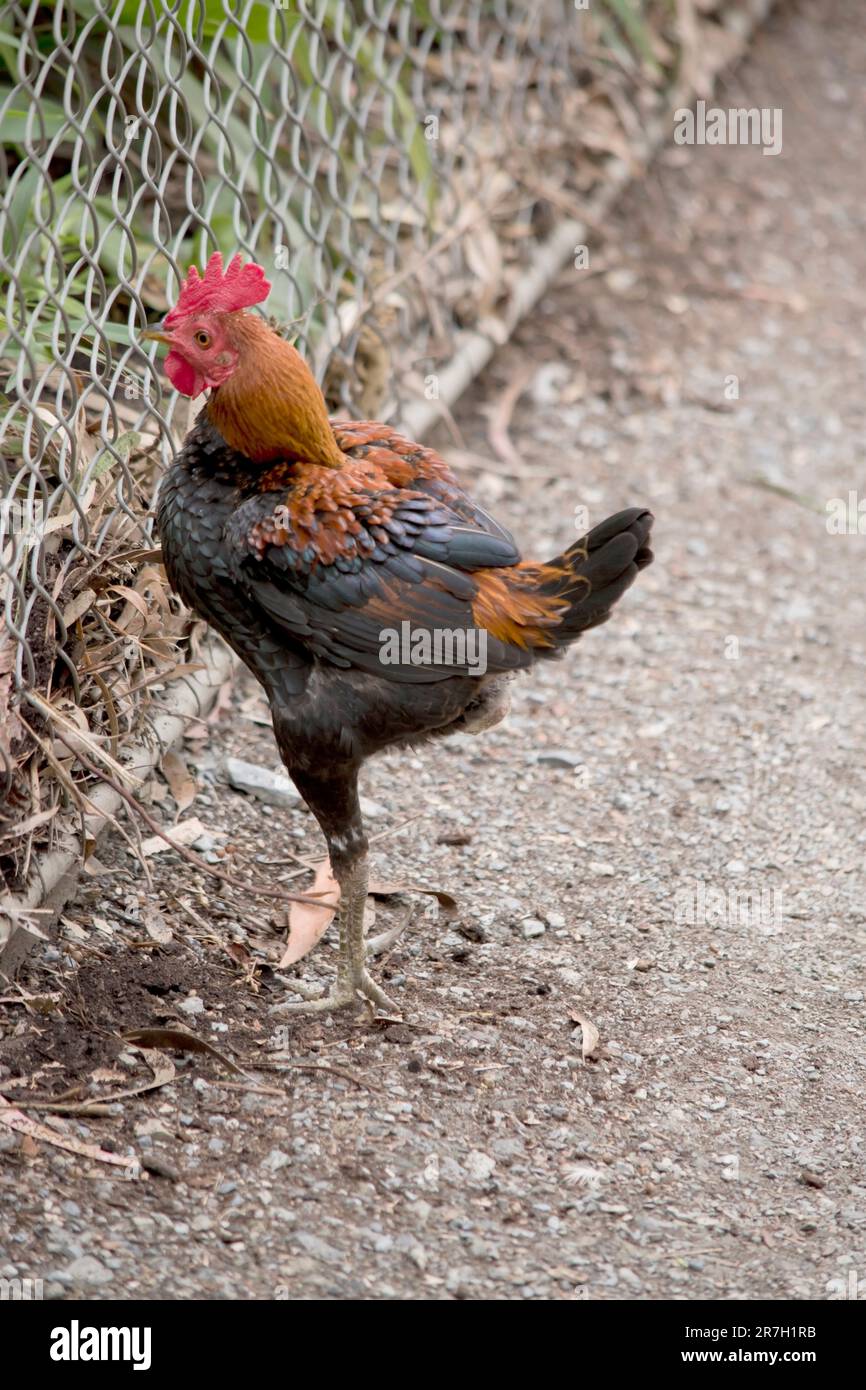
340 997
308 992
334 999
370 990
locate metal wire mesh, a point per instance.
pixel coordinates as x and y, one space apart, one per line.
381 159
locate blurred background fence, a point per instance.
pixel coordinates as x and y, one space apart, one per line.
395 165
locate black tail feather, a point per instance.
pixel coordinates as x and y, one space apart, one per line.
600 567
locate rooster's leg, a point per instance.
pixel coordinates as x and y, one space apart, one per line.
333 799
352 975
353 979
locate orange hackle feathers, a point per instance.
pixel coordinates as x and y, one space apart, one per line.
271 407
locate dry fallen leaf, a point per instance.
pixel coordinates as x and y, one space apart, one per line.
181 1041
163 1073
78 607
590 1039
307 924
96 868
32 1131
447 903
181 782
39 1003
183 834
156 926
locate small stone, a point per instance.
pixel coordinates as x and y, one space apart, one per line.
160 1169
87 1270
676 304
276 1160
812 1179
193 1005
620 280
153 1128
531 927
559 757
480 1166
318 1248
273 788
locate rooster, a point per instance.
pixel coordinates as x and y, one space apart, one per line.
308 543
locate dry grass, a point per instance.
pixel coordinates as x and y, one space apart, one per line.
102 631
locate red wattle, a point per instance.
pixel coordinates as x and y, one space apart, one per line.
183 376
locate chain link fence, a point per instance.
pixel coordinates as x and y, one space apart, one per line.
393 166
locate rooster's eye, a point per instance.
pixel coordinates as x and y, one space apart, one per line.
202 338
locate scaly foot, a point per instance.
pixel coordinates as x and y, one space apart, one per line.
353 979
341 996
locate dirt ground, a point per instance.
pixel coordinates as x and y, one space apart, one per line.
666 838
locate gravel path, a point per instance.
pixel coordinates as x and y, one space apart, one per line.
666 838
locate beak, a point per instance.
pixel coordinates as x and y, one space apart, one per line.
156 335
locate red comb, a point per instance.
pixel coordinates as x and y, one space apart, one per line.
219 291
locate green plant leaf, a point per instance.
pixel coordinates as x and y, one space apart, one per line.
629 14
18 116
